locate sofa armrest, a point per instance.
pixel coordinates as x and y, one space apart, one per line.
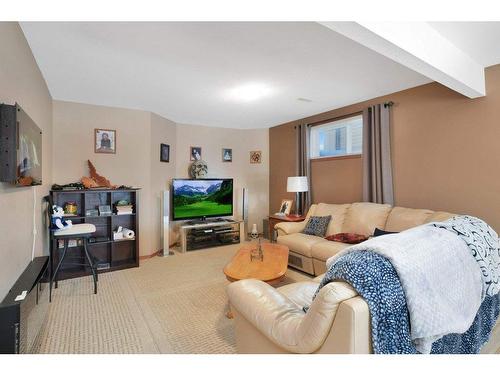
281 320
284 228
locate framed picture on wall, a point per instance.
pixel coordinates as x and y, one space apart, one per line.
104 141
164 152
255 157
195 153
227 155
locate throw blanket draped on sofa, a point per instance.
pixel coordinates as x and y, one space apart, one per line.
436 272
376 280
482 241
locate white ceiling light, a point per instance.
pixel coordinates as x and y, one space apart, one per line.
249 92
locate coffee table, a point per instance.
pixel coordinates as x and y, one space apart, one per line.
271 269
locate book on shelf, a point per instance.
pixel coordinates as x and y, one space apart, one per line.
124 210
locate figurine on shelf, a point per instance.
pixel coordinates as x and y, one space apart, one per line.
57 219
96 180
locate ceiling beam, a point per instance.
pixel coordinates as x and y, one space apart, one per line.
418 46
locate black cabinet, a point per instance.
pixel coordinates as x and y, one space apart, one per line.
21 320
111 254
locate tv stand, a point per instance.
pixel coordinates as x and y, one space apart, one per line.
208 221
202 234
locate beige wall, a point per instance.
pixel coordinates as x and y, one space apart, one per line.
162 131
137 158
444 149
22 82
255 177
73 139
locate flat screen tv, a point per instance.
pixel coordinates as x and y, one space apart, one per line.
20 147
202 198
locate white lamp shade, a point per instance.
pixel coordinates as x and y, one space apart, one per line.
297 184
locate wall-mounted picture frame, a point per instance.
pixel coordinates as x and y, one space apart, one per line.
164 152
286 206
227 155
255 157
104 141
195 153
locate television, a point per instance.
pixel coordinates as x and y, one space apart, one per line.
20 147
201 198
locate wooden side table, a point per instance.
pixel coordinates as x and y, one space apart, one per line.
275 219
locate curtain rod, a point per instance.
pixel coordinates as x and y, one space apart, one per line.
388 104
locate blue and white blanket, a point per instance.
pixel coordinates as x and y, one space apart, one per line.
482 241
376 280
435 274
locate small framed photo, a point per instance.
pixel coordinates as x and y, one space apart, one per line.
286 206
227 155
255 157
164 152
195 153
104 141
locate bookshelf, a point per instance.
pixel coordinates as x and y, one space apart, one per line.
111 254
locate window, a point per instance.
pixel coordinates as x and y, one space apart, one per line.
337 138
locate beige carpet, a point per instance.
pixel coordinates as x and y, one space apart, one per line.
175 304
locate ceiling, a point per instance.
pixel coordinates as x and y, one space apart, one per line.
186 71
194 72
479 40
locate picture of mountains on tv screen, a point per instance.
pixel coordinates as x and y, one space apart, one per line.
198 198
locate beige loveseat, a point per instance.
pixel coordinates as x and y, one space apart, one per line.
309 253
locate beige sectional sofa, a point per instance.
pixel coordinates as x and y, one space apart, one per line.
271 320
309 253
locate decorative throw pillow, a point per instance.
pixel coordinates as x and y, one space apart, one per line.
379 232
350 238
317 225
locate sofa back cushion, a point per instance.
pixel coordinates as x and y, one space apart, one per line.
337 211
439 216
402 218
363 218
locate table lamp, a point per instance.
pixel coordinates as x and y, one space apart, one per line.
297 185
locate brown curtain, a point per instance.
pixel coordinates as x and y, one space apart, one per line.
304 162
377 165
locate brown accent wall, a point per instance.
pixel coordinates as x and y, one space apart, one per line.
445 150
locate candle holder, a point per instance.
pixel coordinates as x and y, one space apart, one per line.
256 253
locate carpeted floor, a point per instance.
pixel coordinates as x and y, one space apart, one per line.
175 304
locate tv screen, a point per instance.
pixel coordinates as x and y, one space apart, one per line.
21 147
193 199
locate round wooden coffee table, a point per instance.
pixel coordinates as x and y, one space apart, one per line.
271 269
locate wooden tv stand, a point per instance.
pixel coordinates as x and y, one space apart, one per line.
201 235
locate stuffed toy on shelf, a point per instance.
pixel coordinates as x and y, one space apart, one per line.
57 219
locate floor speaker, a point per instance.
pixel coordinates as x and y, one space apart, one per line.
245 211
165 224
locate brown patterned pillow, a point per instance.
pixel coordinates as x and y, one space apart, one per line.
350 238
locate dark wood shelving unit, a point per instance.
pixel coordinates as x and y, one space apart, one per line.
111 255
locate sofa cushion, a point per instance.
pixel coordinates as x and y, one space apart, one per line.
300 243
364 217
327 249
402 218
439 216
300 293
337 211
317 225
